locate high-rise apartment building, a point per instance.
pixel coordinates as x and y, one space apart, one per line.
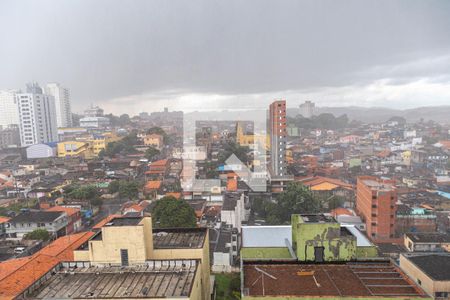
307 109
376 203
277 129
9 113
62 103
37 116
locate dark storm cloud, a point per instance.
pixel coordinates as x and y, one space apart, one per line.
106 50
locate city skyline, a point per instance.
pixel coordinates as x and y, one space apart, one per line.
147 56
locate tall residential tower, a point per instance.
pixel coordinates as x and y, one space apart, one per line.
62 103
277 129
307 109
37 116
9 113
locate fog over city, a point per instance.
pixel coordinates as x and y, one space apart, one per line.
133 56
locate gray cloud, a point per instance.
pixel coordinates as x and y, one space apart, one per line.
162 52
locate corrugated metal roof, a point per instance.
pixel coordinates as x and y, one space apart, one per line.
361 240
266 236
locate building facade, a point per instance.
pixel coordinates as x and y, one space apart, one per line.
376 203
37 116
54 222
307 109
277 129
9 136
9 113
62 104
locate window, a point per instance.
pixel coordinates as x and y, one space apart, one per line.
419 282
373 224
124 257
441 294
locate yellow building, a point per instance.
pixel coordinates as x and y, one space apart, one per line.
88 147
154 140
74 148
248 140
131 241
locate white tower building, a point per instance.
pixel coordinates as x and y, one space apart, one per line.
62 103
9 113
37 116
307 109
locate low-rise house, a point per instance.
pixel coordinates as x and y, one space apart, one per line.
3 221
233 210
427 242
152 187
430 271
225 250
55 222
153 140
316 237
73 217
415 219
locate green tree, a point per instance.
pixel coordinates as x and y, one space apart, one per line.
232 148
172 213
296 199
114 186
86 192
38 234
128 189
151 153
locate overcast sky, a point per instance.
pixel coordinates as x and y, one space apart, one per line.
132 56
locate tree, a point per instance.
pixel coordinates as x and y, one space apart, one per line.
114 186
296 199
151 153
86 192
232 148
38 234
128 189
172 213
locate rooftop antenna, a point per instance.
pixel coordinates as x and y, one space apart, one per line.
262 272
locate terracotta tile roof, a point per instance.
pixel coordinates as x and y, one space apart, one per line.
341 212
445 144
9 266
153 185
318 180
135 207
64 246
3 219
105 220
174 194
159 163
68 210
19 280
18 274
232 184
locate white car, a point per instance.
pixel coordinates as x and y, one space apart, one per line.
19 250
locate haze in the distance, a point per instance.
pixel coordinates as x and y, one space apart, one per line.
132 56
